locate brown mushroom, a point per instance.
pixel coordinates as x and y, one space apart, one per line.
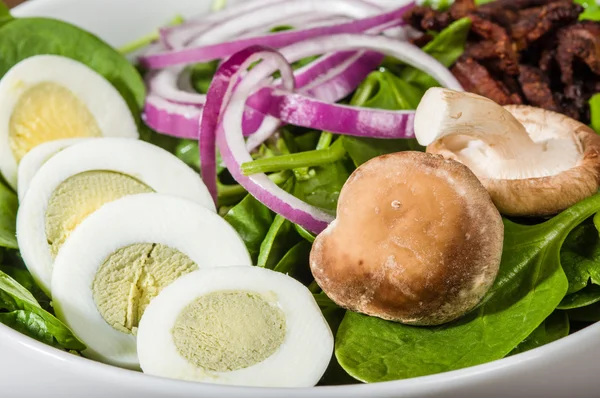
417 240
532 161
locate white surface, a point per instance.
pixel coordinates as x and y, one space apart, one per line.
299 361
177 223
154 166
103 101
567 368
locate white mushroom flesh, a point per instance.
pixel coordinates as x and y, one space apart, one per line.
489 140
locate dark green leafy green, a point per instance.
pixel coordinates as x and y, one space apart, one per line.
582 298
24 278
201 75
252 220
280 238
20 310
589 313
529 286
323 187
382 90
8 217
555 327
308 236
580 257
295 262
24 38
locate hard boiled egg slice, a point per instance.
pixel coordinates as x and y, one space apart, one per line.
245 326
49 97
34 159
80 179
121 256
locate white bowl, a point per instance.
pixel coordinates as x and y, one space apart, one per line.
31 369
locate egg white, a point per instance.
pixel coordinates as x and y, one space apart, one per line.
300 361
155 167
34 159
103 101
201 234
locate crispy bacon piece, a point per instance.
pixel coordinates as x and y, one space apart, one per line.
536 88
581 41
475 78
495 44
425 18
534 23
462 8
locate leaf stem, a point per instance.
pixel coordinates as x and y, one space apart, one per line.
149 38
296 160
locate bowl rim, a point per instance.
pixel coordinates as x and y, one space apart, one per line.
435 382
431 383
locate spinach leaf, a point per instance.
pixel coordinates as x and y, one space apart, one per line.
20 310
323 187
251 219
595 105
580 257
201 75
24 38
555 327
280 238
295 262
8 217
188 151
335 374
304 233
24 278
446 47
382 90
529 286
590 313
592 11
582 298
4 13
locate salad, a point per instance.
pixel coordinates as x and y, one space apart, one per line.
298 193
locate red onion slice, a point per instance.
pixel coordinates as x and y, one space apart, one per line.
166 117
276 40
230 99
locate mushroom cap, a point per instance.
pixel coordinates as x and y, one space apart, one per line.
543 196
417 240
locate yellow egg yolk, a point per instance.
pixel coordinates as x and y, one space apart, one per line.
79 196
47 112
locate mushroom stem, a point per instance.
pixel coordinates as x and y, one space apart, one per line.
443 112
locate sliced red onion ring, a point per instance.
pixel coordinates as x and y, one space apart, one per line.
230 99
166 117
176 37
276 40
273 13
173 84
301 110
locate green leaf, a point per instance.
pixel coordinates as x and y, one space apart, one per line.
202 74
529 286
323 187
382 90
555 327
590 313
582 298
295 262
8 217
20 310
591 12
4 13
595 106
252 220
24 278
24 38
304 233
282 236
446 47
580 257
